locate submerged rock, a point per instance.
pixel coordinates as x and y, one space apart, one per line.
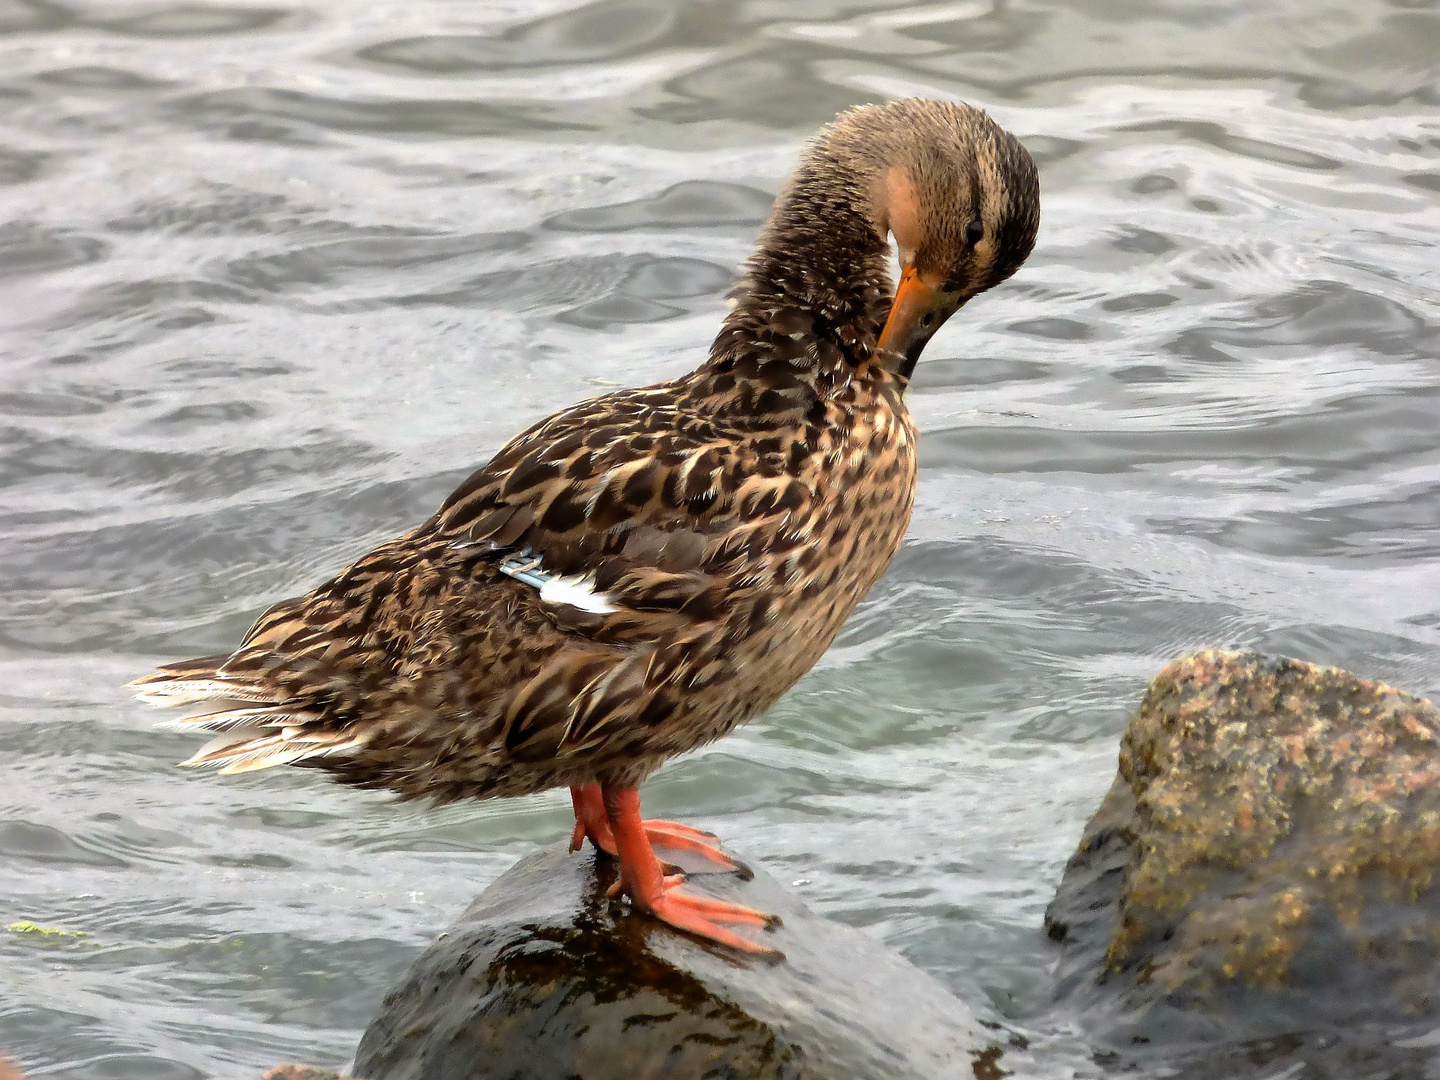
544 978
1261 879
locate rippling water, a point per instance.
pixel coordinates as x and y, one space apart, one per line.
274 278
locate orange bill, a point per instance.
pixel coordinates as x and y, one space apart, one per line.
917 312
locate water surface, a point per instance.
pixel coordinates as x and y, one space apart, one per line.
274 278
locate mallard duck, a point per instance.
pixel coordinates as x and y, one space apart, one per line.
637 574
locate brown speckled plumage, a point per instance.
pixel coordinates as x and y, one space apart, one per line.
725 522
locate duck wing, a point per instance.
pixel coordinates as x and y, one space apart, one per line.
636 512
605 562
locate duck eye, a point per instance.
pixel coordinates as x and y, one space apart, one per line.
974 232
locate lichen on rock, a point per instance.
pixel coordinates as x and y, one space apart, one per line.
1265 861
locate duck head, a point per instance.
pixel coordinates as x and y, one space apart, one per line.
959 195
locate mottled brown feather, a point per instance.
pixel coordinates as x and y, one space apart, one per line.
729 520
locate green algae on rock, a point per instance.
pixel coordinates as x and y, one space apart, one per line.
1264 864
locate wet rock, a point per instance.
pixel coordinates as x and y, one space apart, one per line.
544 978
1258 889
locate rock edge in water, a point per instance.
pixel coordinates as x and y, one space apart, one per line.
1262 872
544 977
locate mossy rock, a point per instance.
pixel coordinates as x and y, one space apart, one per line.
1262 875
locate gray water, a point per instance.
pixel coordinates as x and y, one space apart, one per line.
274 278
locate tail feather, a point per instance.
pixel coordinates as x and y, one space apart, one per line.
194 681
239 752
225 714
259 725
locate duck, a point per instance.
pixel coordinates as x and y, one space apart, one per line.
638 574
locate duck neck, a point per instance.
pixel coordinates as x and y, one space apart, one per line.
814 296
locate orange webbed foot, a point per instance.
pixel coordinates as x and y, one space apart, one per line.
650 889
674 835
704 917
592 822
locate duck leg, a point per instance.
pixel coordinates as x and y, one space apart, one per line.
591 821
650 889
